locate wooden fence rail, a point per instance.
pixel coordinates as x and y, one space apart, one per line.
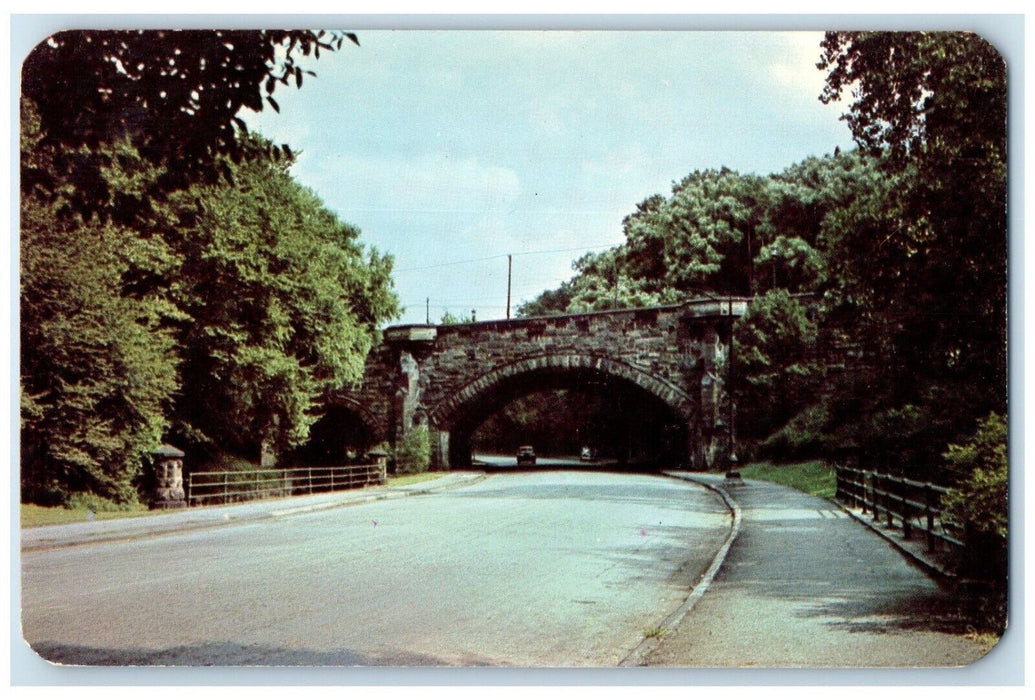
205 488
916 505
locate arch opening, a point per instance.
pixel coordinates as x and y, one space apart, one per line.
561 410
340 436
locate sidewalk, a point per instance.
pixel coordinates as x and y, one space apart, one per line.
165 522
807 584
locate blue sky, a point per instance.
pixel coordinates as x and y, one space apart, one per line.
452 149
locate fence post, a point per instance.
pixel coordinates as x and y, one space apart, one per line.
929 512
907 528
876 480
226 484
889 499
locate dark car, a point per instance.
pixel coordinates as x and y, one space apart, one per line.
526 455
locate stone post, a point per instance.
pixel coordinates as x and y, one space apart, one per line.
168 466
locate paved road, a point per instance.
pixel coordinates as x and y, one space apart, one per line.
527 569
804 585
494 462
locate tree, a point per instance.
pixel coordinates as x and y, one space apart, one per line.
450 319
283 302
98 364
153 288
920 264
776 371
99 87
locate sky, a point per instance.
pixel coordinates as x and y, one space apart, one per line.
451 149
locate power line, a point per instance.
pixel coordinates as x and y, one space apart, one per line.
503 255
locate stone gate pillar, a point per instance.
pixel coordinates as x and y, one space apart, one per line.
168 466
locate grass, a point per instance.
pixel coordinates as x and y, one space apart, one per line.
39 516
815 478
408 479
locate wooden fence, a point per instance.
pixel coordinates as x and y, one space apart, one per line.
915 505
206 488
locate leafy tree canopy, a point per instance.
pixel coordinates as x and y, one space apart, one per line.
284 304
159 299
98 87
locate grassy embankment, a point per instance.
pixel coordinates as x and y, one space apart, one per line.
38 516
816 478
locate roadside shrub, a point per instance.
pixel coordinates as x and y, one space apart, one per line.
98 504
805 436
979 503
413 453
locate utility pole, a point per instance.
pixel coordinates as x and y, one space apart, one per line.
509 267
614 303
427 310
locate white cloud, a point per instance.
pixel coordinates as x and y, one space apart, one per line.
794 62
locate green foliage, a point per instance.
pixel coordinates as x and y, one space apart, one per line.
97 504
918 267
158 300
284 305
98 363
413 453
979 507
719 232
776 375
810 432
980 501
93 88
449 319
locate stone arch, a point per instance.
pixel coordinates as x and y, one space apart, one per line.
370 421
453 411
345 430
679 401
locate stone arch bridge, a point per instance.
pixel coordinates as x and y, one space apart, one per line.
450 378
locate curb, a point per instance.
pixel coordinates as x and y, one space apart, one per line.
638 655
61 540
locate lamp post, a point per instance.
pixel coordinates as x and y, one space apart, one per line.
733 477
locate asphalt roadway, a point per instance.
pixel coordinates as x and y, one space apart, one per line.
533 569
797 583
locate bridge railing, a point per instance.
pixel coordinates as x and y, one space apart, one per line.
220 487
913 506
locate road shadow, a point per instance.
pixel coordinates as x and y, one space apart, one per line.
235 654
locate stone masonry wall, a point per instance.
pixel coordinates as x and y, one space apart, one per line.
427 374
